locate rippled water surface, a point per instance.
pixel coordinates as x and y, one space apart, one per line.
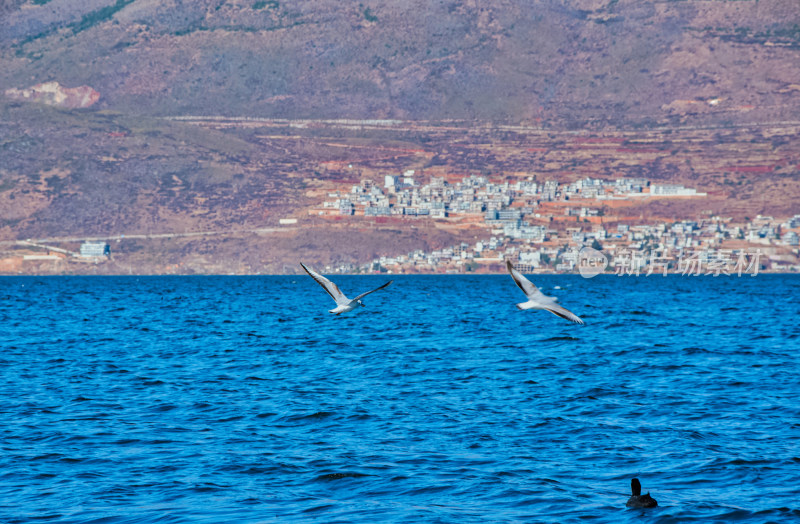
241 399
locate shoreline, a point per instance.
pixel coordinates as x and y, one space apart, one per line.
56 275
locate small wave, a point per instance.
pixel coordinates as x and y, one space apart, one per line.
548 481
693 350
428 490
548 421
72 460
256 470
557 339
337 476
319 415
230 419
90 475
126 441
208 487
745 462
674 367
48 456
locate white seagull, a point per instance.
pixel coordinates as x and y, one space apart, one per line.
537 299
343 304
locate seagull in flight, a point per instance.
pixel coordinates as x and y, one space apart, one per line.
537 299
343 304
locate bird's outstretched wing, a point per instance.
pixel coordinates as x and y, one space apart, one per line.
527 287
563 312
362 295
332 289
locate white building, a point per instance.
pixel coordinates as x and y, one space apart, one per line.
672 190
95 249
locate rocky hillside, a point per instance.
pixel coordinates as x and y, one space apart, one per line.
557 62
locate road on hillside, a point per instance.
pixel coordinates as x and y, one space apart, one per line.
149 236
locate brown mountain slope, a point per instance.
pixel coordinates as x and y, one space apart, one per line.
207 196
573 63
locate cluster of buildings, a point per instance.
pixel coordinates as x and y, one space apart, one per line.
544 227
403 196
36 252
712 244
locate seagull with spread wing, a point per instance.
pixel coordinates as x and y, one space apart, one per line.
343 304
537 299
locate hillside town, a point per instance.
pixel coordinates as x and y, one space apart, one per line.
507 202
545 227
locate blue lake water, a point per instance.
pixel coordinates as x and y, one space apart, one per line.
241 399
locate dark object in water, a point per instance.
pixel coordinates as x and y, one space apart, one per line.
638 500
